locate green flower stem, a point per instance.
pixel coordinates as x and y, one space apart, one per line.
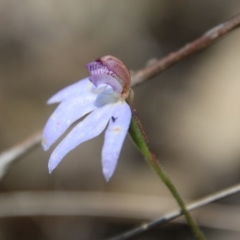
140 139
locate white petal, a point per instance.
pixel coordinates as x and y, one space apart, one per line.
66 114
89 128
74 89
114 138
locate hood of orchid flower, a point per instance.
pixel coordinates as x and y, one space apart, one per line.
111 71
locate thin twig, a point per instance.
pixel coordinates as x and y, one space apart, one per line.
176 213
116 206
9 156
158 66
189 49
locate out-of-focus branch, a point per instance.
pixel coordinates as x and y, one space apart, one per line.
9 156
114 205
207 39
174 214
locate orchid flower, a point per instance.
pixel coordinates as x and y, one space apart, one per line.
99 98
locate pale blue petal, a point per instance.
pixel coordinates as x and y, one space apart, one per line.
66 114
89 128
74 89
114 137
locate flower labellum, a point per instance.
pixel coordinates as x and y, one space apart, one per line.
102 96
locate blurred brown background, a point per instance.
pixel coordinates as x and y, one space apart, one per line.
191 113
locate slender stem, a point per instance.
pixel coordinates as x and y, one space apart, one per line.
140 139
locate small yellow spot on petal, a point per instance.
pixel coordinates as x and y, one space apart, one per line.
89 86
54 156
54 117
117 130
